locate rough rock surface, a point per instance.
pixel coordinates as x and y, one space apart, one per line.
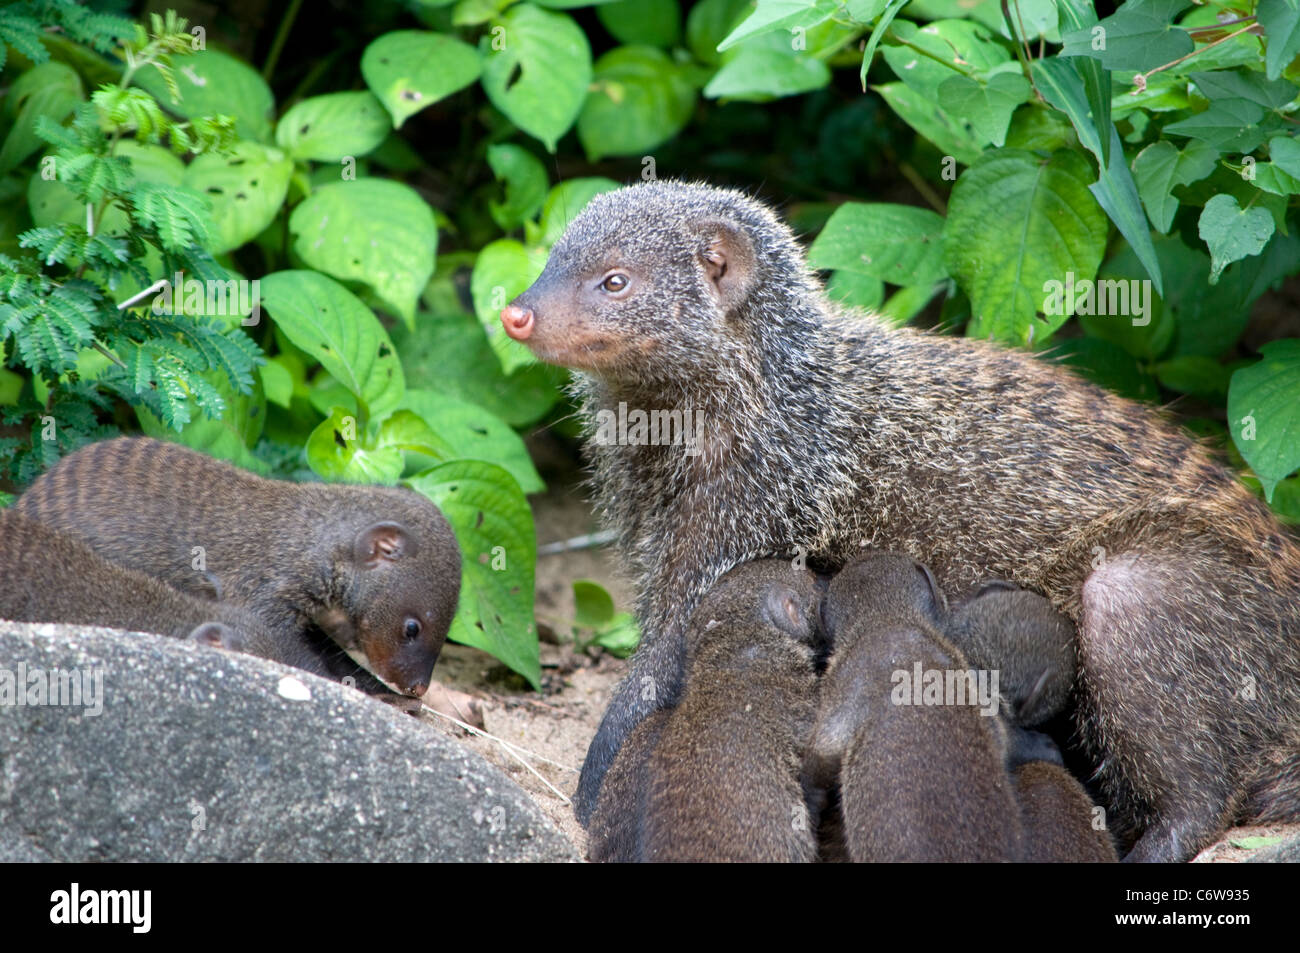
203 755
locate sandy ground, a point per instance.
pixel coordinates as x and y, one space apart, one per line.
555 726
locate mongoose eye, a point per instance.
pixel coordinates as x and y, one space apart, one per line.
412 630
614 283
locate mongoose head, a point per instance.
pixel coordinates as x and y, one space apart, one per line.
402 585
880 589
754 609
1031 645
646 278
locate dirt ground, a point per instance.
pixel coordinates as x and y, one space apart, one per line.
555 726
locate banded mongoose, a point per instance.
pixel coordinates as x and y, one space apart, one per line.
372 566
1057 816
921 778
718 778
1030 644
824 432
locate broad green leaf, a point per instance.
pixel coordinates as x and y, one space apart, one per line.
494 528
987 105
1039 17
766 67
786 15
1230 125
951 135
525 182
331 325
640 99
1264 412
900 244
277 382
1124 308
1281 22
1202 377
246 188
213 83
1048 225
566 200
411 69
539 78
592 605
50 89
1285 153
373 231
1231 232
653 22
327 128
1245 84
1161 166
967 46
906 303
877 34
1080 15
1141 35
854 290
504 269
708 24
461 431
336 453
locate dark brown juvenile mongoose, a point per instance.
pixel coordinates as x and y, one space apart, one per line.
824 432
718 777
1030 644
922 777
1057 816
373 566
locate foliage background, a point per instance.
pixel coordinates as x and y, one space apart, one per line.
392 173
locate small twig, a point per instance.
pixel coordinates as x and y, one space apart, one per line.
1140 79
141 295
590 541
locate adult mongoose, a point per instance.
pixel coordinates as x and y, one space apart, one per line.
718 778
921 779
372 566
824 432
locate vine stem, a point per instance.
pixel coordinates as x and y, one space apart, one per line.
1140 79
281 36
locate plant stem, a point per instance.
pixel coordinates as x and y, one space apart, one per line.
281 35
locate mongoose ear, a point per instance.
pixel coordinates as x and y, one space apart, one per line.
382 542
729 263
781 606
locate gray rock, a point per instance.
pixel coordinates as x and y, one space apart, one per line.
203 755
1286 851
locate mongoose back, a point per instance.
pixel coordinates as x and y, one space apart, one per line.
1057 816
718 777
824 432
1029 643
921 779
373 566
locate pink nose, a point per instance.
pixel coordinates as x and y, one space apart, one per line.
518 322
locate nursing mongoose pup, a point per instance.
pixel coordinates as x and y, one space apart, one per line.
922 777
823 432
373 566
718 777
1057 817
1030 644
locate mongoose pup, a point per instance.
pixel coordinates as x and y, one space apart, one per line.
51 576
811 429
718 777
1057 815
372 566
921 778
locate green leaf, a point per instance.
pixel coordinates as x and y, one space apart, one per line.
900 244
1231 232
987 105
51 89
1245 84
906 303
179 214
338 451
1161 166
332 326
328 128
376 232
277 382
949 134
411 69
1122 308
855 290
525 182
504 269
708 24
539 77
786 15
1141 35
877 34
464 431
228 437
766 67
246 189
593 606
1230 125
564 203
653 22
213 83
494 528
641 99
968 48
1264 412
1285 153
1080 15
1281 22
1202 377
1048 224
